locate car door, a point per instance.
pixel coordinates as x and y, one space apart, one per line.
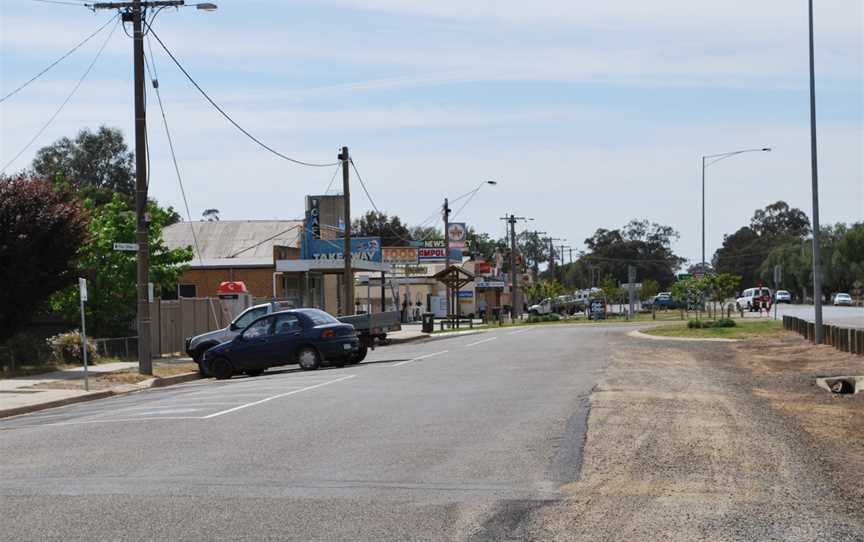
287 333
250 350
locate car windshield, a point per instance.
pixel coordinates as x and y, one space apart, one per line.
320 318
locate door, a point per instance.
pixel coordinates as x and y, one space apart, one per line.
250 351
287 332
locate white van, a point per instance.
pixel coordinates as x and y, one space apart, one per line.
754 299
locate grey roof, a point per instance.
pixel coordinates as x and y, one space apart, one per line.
240 242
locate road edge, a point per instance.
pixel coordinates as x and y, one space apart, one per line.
93 396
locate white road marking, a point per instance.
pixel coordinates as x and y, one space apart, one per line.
307 388
85 422
419 358
159 412
481 342
520 331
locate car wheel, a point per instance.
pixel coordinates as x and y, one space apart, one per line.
198 353
254 372
308 358
221 368
749 307
202 371
360 355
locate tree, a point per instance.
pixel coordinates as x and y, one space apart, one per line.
41 230
481 244
650 288
96 164
374 224
645 245
211 215
111 306
533 248
542 290
744 252
422 233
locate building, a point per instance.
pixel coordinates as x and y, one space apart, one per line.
232 250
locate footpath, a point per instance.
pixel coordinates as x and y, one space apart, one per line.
24 394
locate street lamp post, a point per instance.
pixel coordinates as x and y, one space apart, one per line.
814 172
708 160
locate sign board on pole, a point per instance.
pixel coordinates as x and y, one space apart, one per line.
433 243
150 292
778 275
458 234
82 287
126 247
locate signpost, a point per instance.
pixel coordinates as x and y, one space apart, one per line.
458 234
631 289
126 247
82 289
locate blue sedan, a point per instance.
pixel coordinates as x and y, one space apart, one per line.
308 337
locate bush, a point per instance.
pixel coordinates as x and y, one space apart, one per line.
707 324
552 318
66 348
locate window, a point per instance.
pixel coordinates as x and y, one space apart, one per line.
187 290
248 317
286 323
320 318
258 329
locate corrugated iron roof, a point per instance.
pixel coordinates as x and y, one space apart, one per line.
242 240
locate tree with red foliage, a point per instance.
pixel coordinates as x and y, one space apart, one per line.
42 228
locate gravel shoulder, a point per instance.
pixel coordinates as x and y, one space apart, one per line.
712 441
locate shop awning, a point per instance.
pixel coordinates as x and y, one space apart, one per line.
329 266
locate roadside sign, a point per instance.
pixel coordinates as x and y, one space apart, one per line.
778 275
399 255
150 292
126 247
82 287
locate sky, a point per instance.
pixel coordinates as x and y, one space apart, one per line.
587 114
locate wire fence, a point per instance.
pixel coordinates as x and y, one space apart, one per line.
124 348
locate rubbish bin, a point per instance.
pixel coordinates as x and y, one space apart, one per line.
428 322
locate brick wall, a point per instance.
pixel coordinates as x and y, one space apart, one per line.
259 280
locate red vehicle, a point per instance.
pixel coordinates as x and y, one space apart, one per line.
755 299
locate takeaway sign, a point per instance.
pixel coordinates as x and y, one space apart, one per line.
362 249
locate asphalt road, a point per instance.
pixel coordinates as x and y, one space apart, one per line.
841 316
454 439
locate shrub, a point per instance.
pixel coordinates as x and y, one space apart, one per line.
696 324
552 317
66 348
725 322
707 324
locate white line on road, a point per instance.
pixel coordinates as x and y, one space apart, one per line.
481 342
307 388
419 358
520 331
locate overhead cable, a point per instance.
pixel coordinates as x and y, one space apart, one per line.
49 66
62 105
228 117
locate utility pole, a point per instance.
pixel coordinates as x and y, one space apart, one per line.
134 12
552 254
817 253
515 306
347 273
446 213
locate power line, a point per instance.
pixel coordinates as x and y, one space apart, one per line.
62 3
62 105
333 178
359 178
228 117
66 54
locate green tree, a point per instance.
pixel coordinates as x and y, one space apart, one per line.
543 289
422 233
481 244
650 288
646 245
97 164
392 231
690 292
41 231
112 294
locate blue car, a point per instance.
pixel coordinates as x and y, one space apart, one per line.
308 337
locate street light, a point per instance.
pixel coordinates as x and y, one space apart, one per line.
206 6
711 159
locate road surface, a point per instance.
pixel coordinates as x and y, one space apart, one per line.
841 316
452 439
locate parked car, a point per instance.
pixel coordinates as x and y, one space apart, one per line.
842 299
368 328
782 296
664 300
308 337
754 299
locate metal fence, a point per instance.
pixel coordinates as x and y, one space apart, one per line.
842 338
125 348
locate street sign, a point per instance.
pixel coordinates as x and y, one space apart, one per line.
150 292
126 247
82 287
778 275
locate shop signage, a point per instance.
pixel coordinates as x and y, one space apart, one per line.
466 293
429 255
399 255
487 284
433 243
458 234
362 248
